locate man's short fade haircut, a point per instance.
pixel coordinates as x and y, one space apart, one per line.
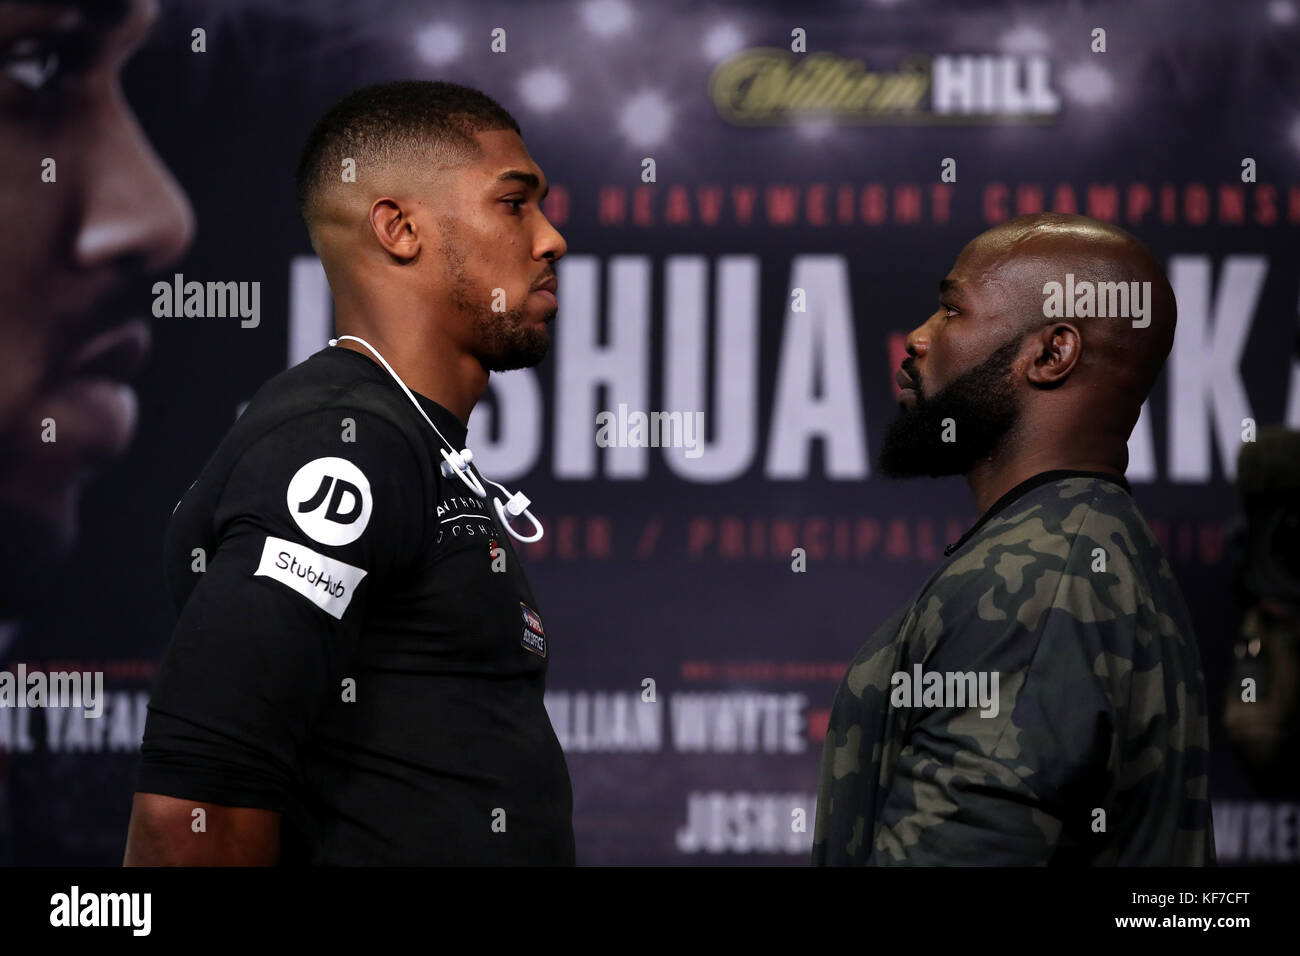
387 122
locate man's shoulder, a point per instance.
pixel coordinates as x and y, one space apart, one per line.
1063 506
322 415
1055 520
326 396
1078 545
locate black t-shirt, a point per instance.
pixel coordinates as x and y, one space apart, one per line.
357 644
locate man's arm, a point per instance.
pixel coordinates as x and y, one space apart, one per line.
165 831
974 791
267 633
1013 784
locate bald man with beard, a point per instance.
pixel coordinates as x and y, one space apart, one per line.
1040 700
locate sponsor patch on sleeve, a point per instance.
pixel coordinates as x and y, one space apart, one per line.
327 583
330 500
534 638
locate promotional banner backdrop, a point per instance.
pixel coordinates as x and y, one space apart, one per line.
753 229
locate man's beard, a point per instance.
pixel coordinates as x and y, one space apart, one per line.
982 406
503 342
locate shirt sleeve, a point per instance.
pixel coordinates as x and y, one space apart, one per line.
1016 784
310 527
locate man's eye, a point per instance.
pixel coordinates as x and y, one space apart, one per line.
30 62
516 203
949 310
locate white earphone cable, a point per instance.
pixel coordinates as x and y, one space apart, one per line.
458 461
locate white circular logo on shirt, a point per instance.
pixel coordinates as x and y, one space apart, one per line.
329 499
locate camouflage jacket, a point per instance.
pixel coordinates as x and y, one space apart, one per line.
1089 746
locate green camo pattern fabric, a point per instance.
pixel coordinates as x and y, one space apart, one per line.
1102 704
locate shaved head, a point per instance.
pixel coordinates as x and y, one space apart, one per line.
1024 254
385 137
1002 374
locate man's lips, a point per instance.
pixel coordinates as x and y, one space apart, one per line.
547 289
117 354
94 407
909 390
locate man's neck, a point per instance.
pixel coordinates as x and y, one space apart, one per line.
455 380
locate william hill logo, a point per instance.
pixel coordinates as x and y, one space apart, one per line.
771 86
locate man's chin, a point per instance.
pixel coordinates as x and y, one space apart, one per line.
912 450
917 467
523 354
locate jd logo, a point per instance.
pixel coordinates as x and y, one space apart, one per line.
329 499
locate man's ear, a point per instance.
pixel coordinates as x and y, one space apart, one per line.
395 231
1059 348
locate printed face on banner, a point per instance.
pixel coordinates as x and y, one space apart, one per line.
89 208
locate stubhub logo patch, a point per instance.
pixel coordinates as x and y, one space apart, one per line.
327 583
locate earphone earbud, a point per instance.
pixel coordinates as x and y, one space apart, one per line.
516 508
456 465
456 461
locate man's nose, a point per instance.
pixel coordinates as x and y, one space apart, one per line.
550 244
917 341
133 208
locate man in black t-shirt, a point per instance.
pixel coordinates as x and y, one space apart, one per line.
357 672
